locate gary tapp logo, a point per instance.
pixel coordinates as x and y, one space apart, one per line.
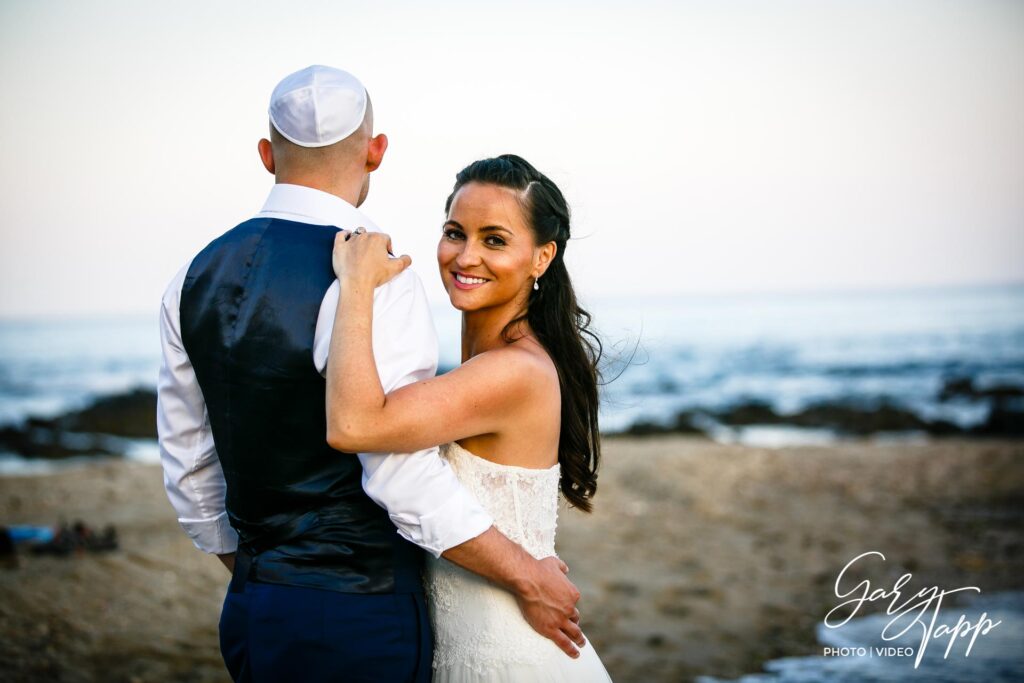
917 613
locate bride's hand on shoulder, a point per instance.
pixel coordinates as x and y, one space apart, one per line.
363 258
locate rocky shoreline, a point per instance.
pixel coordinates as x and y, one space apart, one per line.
97 428
93 430
847 418
844 419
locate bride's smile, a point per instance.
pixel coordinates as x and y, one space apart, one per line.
463 281
487 255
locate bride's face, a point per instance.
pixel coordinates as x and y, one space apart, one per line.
487 255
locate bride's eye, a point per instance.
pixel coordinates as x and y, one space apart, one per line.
453 234
494 241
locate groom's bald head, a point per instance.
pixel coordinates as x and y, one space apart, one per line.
341 168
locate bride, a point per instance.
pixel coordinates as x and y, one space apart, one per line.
518 417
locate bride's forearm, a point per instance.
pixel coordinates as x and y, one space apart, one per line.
354 392
545 596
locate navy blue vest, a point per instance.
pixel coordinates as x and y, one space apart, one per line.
249 308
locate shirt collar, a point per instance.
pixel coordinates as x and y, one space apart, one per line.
306 205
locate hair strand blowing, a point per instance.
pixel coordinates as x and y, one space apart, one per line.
557 319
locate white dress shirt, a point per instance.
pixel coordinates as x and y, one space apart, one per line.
419 490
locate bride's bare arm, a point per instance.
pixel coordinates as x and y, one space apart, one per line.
465 402
360 417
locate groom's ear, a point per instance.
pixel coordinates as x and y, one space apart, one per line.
267 154
375 149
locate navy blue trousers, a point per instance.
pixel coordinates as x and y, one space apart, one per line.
272 633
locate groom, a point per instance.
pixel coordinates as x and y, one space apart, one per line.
325 548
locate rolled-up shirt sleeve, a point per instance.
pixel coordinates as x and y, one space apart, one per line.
420 491
193 476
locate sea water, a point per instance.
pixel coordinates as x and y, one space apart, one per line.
670 354
664 354
995 656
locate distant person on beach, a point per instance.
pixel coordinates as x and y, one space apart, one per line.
325 548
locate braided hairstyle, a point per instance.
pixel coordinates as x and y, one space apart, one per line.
557 320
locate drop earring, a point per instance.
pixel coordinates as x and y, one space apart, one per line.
536 284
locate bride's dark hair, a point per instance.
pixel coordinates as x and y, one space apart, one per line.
557 320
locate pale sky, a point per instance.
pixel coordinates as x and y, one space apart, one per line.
705 147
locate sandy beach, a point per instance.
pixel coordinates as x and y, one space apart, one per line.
700 558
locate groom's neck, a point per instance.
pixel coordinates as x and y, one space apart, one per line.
347 188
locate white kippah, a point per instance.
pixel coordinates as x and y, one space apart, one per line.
318 106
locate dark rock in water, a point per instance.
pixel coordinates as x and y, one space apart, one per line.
1006 412
856 420
840 417
81 432
36 442
131 415
749 413
1003 391
886 417
645 428
1004 419
964 387
684 424
957 386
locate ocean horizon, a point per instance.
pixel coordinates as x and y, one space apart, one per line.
942 356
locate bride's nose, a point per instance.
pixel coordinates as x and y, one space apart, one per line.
469 256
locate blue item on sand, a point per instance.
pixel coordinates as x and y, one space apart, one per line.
31 534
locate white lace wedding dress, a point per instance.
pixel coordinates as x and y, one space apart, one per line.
480 635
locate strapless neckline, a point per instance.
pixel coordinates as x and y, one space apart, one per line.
455 445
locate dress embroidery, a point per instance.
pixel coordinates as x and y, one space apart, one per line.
479 632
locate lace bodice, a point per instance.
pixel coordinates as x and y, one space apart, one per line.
522 501
476 623
480 635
